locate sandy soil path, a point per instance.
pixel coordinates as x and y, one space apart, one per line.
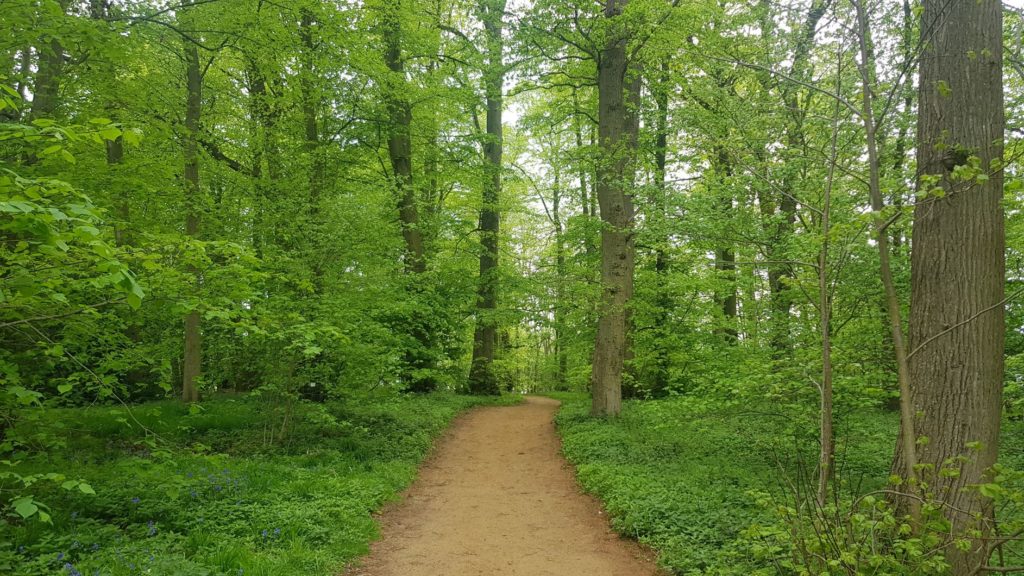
497 498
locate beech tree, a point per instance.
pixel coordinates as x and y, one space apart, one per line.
616 134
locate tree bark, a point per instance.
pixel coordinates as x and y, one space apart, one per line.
314 154
192 362
725 256
957 263
482 379
418 362
908 468
561 359
617 146
46 89
660 375
400 139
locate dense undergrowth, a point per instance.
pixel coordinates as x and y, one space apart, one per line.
213 492
683 476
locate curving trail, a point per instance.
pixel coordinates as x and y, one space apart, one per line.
497 498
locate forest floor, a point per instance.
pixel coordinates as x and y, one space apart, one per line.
497 497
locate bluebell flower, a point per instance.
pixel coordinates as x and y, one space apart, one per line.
74 515
72 571
264 534
135 500
60 556
277 532
95 547
152 528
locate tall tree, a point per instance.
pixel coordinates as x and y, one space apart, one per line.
957 262
482 379
617 142
191 368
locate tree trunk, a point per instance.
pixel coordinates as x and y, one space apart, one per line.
192 362
957 262
417 361
663 300
908 437
45 91
725 256
400 139
561 359
617 253
826 434
482 379
314 154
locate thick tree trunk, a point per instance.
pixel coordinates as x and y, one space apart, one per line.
400 139
45 91
957 262
192 363
418 362
617 253
482 379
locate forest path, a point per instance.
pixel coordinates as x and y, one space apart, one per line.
497 497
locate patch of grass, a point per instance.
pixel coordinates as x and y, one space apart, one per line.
212 496
676 474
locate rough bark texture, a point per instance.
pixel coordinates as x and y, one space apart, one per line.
192 362
482 379
617 254
957 261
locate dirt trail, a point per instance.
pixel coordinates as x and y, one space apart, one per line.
498 498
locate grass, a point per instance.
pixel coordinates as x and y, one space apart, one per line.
214 495
679 475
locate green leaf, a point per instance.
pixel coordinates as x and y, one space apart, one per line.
111 133
86 489
25 507
65 388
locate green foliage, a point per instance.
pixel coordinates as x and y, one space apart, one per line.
681 474
172 490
